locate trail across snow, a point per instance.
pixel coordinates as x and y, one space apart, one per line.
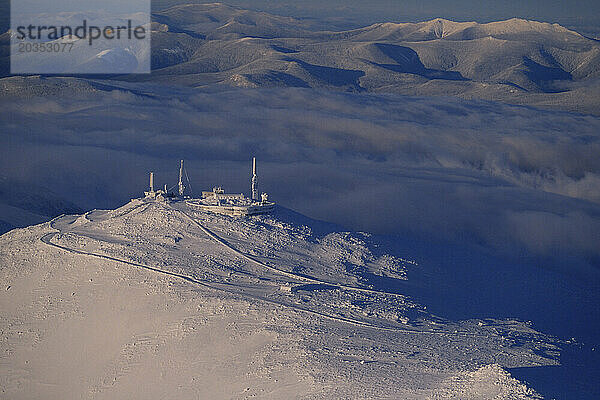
230 288
47 239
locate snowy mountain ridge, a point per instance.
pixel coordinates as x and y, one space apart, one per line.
440 28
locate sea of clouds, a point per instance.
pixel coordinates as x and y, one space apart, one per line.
518 180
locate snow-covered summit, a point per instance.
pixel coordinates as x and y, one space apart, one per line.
160 299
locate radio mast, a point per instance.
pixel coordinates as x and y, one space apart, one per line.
254 180
180 184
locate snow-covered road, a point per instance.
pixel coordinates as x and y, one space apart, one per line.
229 287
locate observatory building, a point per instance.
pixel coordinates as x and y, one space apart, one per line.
216 200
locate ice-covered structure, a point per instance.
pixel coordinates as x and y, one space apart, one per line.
234 204
159 195
216 200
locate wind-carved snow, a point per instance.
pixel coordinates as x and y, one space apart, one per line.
268 306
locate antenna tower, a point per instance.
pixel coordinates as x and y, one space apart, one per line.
180 184
254 180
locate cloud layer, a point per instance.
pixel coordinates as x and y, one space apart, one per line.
515 179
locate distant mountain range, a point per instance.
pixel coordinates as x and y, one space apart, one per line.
514 61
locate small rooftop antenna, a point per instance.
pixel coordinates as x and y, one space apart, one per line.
180 184
254 180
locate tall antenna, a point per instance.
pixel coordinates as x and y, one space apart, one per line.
254 180
180 184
